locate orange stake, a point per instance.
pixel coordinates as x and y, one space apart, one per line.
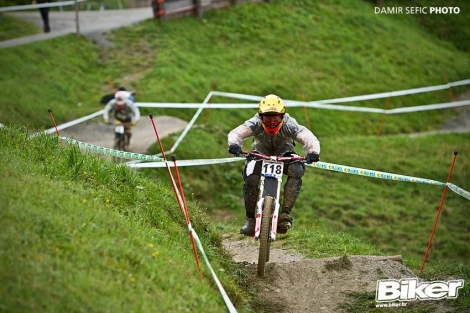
111 84
438 214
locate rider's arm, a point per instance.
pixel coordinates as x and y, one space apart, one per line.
308 141
238 135
135 109
302 135
108 107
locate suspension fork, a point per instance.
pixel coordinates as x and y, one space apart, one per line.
269 186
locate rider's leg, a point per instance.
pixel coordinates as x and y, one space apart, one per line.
294 172
251 174
127 135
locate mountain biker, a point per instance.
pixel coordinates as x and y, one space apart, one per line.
125 112
274 133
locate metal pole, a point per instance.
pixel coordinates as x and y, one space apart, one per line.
76 18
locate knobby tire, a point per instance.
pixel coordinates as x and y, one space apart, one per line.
120 146
264 242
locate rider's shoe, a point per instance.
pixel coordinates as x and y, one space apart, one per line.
249 228
284 223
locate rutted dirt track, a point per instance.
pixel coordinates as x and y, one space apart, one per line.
294 283
143 134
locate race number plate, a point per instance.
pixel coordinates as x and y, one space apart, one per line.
119 129
272 169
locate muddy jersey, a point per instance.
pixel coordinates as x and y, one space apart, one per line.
279 144
129 113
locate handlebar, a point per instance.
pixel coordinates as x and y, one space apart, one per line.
274 157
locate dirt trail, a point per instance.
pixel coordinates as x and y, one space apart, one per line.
295 283
143 134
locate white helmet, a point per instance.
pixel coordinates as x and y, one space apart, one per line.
121 97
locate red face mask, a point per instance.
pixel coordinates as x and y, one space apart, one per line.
120 106
271 121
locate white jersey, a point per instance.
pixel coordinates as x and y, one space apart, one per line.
130 112
279 144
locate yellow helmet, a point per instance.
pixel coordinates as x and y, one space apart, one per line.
271 104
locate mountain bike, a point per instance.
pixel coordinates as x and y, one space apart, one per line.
268 204
120 141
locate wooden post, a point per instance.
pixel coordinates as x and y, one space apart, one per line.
450 89
306 113
383 117
198 9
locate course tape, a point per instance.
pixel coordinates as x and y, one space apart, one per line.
111 152
181 163
228 303
354 98
459 190
315 105
184 210
157 162
371 173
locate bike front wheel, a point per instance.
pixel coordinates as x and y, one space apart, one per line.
264 242
119 145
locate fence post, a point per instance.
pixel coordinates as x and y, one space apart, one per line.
383 117
198 9
76 17
450 88
306 113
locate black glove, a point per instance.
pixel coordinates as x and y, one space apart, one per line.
312 157
236 150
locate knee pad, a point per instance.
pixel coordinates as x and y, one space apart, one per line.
295 170
252 181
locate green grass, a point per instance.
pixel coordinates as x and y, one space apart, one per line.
87 235
11 27
60 226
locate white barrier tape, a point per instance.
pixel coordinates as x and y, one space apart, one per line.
289 103
375 174
459 190
228 303
320 165
237 96
74 122
390 176
181 163
398 93
194 235
170 105
191 123
354 98
316 105
429 107
111 152
38 6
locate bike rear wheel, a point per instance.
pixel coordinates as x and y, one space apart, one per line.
265 228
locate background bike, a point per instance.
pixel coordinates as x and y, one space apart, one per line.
121 138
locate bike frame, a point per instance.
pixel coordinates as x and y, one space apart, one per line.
272 172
